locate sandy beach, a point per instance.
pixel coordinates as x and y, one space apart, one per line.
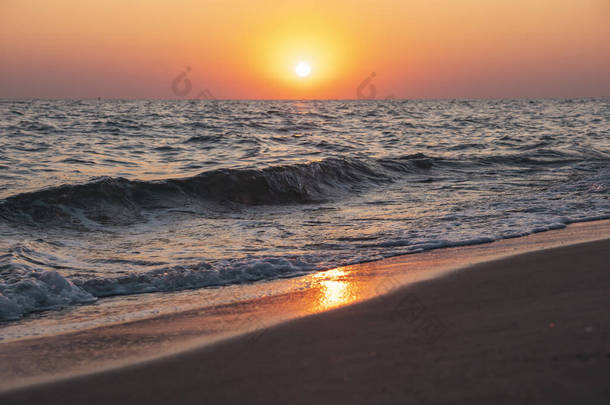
528 328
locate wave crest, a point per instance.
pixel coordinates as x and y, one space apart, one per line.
110 200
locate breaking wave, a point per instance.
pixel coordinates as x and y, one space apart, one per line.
121 201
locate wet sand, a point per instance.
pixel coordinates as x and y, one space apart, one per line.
529 328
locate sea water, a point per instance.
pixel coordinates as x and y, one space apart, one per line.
102 198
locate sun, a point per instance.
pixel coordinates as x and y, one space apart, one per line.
302 69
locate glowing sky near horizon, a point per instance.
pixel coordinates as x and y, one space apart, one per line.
249 49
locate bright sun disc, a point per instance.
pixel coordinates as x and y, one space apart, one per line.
302 69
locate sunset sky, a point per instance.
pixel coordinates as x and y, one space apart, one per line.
244 49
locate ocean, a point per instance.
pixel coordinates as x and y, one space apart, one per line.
110 198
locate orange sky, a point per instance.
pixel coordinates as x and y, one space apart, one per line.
248 49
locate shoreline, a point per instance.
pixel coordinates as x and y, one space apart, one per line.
518 329
252 294
155 339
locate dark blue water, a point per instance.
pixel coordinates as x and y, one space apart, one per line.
101 198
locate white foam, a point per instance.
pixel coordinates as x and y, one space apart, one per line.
39 291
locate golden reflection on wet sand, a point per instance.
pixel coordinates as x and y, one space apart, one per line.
335 288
